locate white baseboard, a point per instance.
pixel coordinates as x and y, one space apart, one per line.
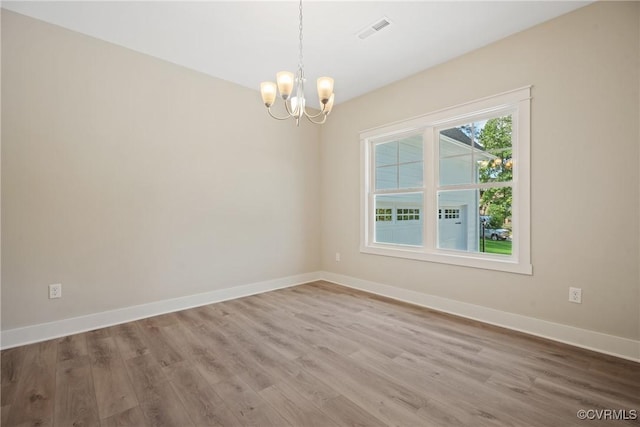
60 328
596 341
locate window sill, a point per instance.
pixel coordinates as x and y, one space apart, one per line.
464 260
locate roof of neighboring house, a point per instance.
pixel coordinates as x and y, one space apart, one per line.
458 135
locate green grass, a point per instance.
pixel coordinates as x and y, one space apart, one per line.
502 247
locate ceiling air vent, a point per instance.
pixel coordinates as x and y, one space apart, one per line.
370 30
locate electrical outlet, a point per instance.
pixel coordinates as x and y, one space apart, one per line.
575 295
55 291
337 256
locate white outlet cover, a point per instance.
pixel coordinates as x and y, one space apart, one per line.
575 295
55 291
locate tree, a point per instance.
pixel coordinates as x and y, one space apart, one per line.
495 138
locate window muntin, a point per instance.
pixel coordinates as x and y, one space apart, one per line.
473 183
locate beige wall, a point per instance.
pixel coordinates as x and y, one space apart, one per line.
585 183
125 180
131 180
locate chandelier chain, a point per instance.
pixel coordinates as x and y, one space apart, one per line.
300 28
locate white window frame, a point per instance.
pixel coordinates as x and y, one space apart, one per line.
517 103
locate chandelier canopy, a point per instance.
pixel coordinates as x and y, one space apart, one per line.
295 105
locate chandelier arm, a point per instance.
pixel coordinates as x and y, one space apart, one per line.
310 118
292 113
276 117
313 116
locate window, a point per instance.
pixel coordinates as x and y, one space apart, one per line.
384 214
449 213
451 186
408 214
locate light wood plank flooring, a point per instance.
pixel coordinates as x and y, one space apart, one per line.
312 355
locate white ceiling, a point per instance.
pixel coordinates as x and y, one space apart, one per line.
248 42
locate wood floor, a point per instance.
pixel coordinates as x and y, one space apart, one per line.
312 355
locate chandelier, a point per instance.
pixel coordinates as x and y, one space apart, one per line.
295 105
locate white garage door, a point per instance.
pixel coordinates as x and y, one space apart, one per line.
452 227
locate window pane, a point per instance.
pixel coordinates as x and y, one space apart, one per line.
399 164
386 154
387 177
476 152
405 226
456 155
495 137
456 169
410 175
475 220
456 227
410 149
